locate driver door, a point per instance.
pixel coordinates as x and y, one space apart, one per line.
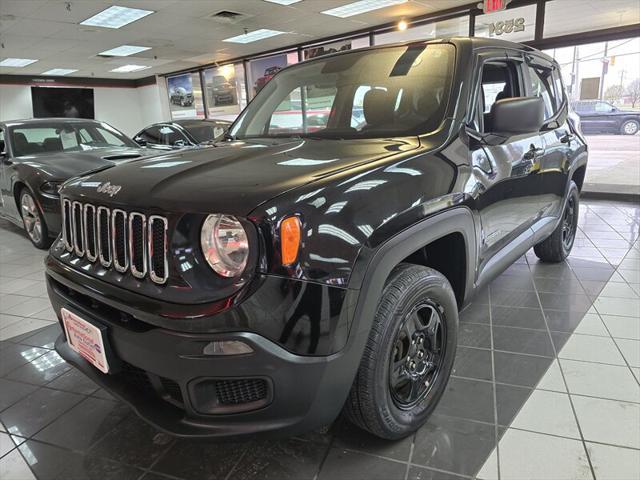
507 166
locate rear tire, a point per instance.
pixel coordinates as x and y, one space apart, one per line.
558 245
33 220
630 127
396 361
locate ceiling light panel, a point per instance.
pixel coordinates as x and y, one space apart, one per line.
283 2
17 62
363 6
59 71
129 68
116 17
124 51
253 36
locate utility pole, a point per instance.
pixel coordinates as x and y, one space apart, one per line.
605 69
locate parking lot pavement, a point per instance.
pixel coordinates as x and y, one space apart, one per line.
614 160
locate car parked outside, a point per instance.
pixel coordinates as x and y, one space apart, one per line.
38 155
597 116
182 133
301 270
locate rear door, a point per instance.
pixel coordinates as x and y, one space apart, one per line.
506 165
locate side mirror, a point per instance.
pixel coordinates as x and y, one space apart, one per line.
140 141
518 115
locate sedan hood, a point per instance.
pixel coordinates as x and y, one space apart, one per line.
231 178
64 165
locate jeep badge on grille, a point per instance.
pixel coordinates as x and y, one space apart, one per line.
109 189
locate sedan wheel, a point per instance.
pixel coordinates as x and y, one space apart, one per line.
33 220
630 128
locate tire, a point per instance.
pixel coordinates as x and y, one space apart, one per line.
373 404
33 220
558 245
630 127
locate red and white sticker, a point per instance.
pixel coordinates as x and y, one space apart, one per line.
86 339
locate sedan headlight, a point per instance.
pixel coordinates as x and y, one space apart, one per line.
225 245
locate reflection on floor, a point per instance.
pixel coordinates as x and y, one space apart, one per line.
546 386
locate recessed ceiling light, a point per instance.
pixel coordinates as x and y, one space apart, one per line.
129 68
17 62
116 17
59 71
253 36
124 51
362 6
283 2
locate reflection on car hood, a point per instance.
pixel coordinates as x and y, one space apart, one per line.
233 178
63 165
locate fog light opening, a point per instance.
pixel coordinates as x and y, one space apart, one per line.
227 347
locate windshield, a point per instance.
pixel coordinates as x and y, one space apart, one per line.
393 91
43 138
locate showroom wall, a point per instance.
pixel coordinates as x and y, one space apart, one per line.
127 109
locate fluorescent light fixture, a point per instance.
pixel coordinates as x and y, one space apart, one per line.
363 6
17 62
59 71
124 51
116 17
283 2
253 36
129 68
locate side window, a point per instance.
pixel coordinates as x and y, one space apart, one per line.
151 135
541 86
560 92
170 136
499 81
2 146
603 107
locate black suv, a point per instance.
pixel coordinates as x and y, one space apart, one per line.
269 283
601 117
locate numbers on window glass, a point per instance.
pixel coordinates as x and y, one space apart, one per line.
507 26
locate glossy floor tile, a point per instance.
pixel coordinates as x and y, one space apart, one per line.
546 385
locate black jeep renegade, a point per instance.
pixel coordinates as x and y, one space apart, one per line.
315 261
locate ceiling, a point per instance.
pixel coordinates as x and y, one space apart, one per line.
181 33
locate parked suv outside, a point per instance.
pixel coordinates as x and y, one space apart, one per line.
601 117
266 285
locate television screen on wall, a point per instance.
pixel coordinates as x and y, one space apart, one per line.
62 102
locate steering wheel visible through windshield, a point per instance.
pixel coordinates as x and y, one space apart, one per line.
45 138
392 91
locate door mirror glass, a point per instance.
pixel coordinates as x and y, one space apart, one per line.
518 115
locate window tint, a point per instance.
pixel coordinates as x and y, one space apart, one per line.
541 85
151 135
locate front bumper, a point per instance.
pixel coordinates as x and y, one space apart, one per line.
168 380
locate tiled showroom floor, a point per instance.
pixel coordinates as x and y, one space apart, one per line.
546 386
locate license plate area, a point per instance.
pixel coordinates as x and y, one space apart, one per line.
86 338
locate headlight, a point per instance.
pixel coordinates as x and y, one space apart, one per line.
51 188
225 244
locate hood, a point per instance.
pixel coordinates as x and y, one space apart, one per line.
64 165
233 177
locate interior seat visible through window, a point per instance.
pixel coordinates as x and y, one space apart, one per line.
499 81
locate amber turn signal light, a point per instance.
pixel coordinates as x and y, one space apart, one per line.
289 239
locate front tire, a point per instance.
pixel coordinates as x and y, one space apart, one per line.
630 127
558 245
409 355
33 220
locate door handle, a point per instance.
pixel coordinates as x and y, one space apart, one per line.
567 137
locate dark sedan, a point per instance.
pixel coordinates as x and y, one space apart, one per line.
601 117
38 155
182 133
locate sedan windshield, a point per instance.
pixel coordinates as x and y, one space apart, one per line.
43 138
393 91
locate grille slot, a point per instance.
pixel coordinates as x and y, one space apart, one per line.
128 242
236 392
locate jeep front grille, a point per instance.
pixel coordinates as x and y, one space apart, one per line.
128 242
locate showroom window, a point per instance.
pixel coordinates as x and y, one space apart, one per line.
455 27
333 47
513 24
564 17
262 70
224 91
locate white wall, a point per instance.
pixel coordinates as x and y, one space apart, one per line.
127 109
